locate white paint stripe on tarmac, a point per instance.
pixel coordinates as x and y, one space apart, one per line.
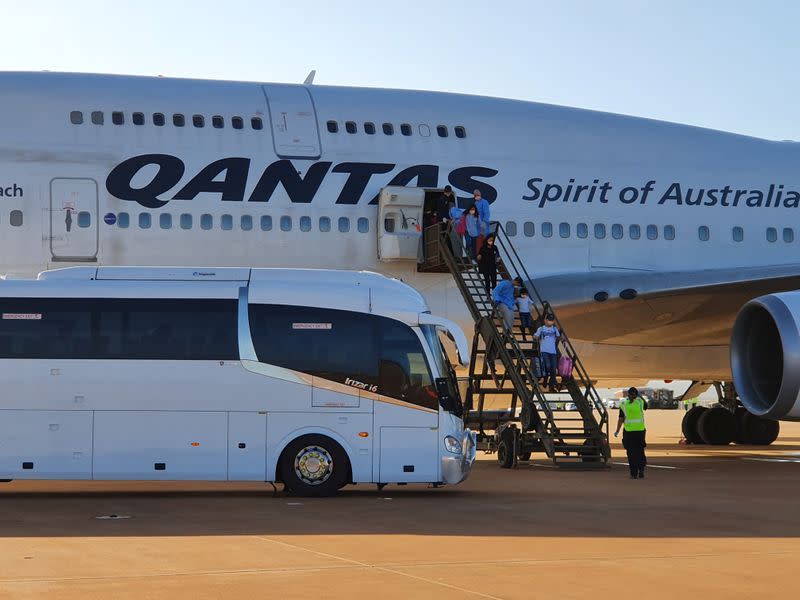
649 466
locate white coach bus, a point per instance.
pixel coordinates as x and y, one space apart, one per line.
310 377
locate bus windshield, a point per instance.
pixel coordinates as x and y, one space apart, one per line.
443 366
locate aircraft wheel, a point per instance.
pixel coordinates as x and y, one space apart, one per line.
589 452
741 425
505 449
760 431
717 426
689 424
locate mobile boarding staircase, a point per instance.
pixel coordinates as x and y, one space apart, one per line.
501 365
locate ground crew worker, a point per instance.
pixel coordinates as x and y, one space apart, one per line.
631 414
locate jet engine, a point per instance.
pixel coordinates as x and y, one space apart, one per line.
765 356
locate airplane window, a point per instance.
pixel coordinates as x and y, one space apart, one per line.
217 122
325 224
16 218
369 128
405 129
76 117
333 127
165 221
772 234
738 234
788 235
237 122
137 118
652 232
424 130
599 231
198 121
286 223
511 228
305 224
246 222
144 220
441 130
186 221
547 229
363 225
350 127
703 233
388 224
634 232
616 231
669 232
388 129
206 221
256 123
117 118
97 117
158 119
563 230
460 131
344 224
226 222
582 230
266 223
123 220
528 228
178 120
84 219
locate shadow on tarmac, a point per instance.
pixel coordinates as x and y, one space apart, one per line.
703 496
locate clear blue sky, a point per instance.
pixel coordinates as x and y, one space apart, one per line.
726 64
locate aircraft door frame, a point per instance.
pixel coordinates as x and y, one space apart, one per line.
70 239
399 226
293 121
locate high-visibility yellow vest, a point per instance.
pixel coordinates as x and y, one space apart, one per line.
634 414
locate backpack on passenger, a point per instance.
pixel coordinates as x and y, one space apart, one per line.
461 225
565 367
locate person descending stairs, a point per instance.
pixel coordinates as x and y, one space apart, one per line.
567 420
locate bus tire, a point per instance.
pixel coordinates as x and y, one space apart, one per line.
314 465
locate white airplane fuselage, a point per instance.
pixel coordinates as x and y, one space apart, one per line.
575 185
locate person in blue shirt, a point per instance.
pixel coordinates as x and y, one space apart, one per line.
482 205
454 240
548 335
473 230
503 297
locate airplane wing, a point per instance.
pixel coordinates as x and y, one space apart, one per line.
693 308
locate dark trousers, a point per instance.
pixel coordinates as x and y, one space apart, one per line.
634 444
489 279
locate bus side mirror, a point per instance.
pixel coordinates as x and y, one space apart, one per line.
447 400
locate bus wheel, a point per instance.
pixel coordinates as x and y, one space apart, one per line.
314 465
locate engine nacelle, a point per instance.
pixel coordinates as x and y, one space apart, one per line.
765 356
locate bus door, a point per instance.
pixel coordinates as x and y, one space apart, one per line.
293 121
73 219
400 223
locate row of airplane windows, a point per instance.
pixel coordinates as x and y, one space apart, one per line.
97 117
405 129
226 222
546 229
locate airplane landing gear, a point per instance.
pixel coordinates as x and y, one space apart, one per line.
727 422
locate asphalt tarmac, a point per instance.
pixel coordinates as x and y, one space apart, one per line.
705 523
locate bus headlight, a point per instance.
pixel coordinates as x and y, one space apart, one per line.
452 445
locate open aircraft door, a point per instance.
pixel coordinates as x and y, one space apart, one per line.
400 223
73 219
293 120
